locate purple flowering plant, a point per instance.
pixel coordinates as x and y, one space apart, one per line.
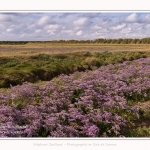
95 103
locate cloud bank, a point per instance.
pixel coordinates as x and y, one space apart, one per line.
79 26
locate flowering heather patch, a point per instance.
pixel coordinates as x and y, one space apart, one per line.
83 104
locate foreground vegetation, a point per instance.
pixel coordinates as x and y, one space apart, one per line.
111 101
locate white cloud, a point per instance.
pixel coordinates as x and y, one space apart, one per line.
66 31
136 27
97 27
77 28
23 35
27 36
146 18
5 18
103 31
38 31
2 26
50 32
132 18
32 26
119 27
9 30
44 20
79 33
52 28
97 35
126 30
70 32
81 22
147 26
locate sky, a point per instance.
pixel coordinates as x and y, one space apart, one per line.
47 26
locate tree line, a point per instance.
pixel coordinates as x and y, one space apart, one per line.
100 41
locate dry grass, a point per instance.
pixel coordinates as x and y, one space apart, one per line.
48 48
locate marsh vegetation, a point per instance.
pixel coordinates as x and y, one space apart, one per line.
74 90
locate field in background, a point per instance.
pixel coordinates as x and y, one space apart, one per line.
48 48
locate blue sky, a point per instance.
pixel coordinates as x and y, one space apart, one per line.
42 26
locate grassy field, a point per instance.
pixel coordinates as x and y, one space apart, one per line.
41 62
32 48
38 63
